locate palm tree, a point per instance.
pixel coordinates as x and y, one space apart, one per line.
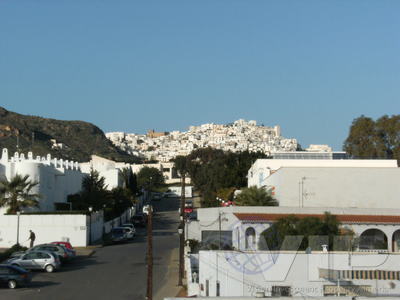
17 194
181 165
254 196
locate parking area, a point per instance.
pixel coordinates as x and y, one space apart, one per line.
117 271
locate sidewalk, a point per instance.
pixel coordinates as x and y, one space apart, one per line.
87 251
170 287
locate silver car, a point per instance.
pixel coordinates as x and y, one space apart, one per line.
37 260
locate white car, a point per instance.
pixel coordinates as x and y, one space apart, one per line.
131 226
129 232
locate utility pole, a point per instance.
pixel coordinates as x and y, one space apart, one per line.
182 231
149 295
219 221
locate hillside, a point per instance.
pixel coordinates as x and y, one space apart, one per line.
77 140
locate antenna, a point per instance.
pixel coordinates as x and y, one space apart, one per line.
17 142
33 139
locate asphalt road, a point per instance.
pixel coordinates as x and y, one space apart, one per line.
113 272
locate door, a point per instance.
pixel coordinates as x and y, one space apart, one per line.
27 260
41 260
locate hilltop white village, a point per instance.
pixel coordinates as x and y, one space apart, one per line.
241 135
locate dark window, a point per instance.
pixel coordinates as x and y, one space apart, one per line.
207 288
211 239
218 289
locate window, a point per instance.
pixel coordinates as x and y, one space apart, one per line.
218 289
43 255
32 255
207 288
211 239
250 238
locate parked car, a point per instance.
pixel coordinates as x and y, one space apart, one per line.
37 260
130 225
139 220
14 276
157 196
130 234
188 210
192 216
118 234
61 251
66 245
169 194
189 203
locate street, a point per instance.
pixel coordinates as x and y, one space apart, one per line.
113 272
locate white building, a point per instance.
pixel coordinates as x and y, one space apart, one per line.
109 169
290 273
56 178
241 227
247 269
329 183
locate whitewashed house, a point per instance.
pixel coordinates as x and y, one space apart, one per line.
56 178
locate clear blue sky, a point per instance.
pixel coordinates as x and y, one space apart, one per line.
309 66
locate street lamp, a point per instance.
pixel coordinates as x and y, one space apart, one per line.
181 249
18 214
90 224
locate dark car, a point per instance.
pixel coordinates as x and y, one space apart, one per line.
157 197
119 234
192 216
139 220
14 276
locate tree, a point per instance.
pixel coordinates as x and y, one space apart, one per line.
17 193
130 180
94 193
212 170
181 165
150 178
254 196
310 232
374 139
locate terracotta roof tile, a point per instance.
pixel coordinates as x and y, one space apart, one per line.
342 218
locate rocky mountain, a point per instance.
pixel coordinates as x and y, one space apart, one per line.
72 140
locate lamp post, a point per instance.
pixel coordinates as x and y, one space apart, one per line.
181 249
18 214
90 224
150 255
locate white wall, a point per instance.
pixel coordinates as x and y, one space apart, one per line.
262 168
48 228
57 178
336 187
245 273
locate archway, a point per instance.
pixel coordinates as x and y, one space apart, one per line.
250 236
373 239
396 241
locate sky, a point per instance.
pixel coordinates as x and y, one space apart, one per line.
311 67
